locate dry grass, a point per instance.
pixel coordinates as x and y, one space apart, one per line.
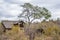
51 32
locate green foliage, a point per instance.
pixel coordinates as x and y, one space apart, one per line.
35 12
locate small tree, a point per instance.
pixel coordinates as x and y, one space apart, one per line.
30 13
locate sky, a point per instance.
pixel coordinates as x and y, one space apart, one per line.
10 9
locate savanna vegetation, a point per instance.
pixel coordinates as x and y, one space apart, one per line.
51 31
45 30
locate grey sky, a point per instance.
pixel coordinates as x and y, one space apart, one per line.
10 9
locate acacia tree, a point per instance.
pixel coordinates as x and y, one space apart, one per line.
31 12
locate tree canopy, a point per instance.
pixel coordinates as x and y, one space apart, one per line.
31 12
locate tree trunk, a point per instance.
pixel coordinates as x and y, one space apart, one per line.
31 36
